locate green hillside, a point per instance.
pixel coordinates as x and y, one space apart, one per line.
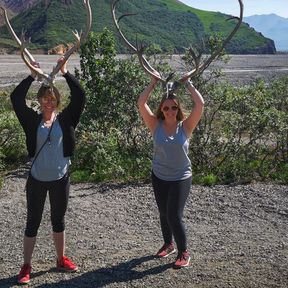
168 23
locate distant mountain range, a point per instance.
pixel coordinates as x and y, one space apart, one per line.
170 24
271 26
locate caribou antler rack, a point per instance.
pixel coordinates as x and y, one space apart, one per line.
199 67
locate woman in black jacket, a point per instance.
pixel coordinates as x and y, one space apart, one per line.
50 141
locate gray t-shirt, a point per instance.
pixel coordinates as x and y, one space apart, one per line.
50 164
170 158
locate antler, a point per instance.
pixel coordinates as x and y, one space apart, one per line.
139 49
80 38
201 67
49 79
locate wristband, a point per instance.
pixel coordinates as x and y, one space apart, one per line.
189 83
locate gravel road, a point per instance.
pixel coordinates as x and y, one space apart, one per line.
238 237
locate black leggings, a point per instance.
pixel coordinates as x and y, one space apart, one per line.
36 192
171 197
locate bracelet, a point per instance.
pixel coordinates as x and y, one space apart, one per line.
189 83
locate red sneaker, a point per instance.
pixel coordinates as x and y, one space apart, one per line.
166 250
65 264
24 274
183 260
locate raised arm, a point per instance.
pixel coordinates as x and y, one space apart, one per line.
18 96
192 120
148 116
78 98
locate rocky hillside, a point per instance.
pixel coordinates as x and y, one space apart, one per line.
17 6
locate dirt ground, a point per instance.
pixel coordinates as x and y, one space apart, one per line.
237 237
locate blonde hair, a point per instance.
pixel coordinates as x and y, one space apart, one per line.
180 114
49 91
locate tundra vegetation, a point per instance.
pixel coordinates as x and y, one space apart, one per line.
242 136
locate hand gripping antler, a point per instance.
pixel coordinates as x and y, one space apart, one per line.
28 58
139 50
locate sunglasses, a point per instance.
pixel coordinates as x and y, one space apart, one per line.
48 99
173 108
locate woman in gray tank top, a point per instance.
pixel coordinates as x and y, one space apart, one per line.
50 140
171 166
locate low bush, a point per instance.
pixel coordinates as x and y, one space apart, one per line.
242 136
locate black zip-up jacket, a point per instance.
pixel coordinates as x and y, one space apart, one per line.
68 118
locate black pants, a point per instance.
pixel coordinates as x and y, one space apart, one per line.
171 197
36 192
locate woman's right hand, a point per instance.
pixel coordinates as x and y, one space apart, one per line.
63 62
37 66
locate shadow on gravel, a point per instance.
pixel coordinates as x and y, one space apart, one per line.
12 281
101 188
123 272
8 282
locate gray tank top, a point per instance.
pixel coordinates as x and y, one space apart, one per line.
170 157
50 164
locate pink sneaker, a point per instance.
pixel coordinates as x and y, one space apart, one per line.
183 260
24 274
166 250
65 264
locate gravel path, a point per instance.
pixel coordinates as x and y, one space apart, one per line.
240 69
238 237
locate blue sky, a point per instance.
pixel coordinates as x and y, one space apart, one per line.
251 7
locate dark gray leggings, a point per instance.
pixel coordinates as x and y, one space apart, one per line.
171 197
36 192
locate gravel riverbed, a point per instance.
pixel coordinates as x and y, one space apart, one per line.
237 236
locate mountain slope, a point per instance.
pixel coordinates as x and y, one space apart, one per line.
272 26
168 23
17 6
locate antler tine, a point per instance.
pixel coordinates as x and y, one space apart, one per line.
146 65
89 20
206 63
12 32
116 22
79 40
196 58
143 61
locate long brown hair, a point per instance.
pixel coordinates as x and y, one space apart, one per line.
180 114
